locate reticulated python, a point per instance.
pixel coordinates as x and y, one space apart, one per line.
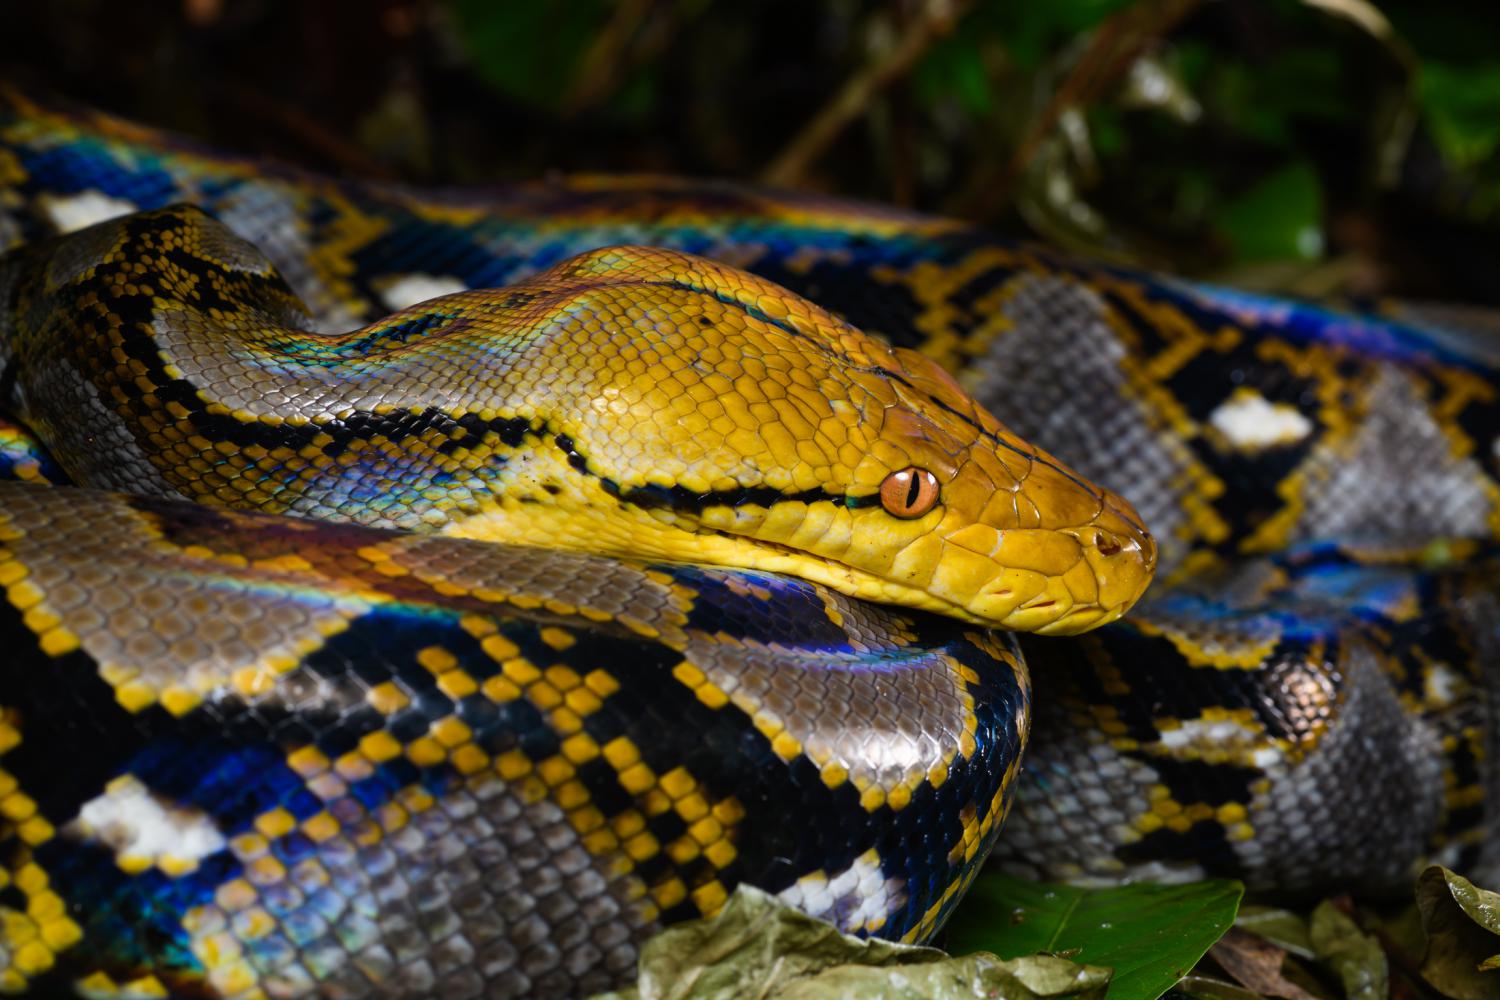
247 754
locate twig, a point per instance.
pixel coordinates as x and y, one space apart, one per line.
310 133
1115 46
903 138
600 69
936 19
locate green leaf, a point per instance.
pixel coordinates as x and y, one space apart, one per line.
1033 32
528 51
1463 934
1462 107
758 946
981 975
1151 935
1281 217
1354 955
1283 928
956 68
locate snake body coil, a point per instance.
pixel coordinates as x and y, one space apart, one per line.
371 758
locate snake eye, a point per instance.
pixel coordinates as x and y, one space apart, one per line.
909 493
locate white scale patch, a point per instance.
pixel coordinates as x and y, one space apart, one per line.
143 830
72 212
859 898
1443 685
1223 735
1250 422
402 290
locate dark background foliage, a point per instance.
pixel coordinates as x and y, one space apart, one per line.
1317 147
1342 147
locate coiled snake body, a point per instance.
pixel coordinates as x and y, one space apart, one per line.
247 754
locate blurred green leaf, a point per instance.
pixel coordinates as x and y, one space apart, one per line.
1265 107
528 51
1462 105
1354 955
1031 33
1107 129
1035 30
1151 935
1279 217
1230 95
955 68
1283 928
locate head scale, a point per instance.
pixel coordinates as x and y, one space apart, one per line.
733 422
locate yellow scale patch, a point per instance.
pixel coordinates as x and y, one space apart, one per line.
35 936
1162 810
1219 656
1146 378
1165 811
566 698
1180 817
136 692
52 637
933 286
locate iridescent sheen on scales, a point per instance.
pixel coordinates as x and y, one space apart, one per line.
403 767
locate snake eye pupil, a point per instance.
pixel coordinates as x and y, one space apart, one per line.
908 493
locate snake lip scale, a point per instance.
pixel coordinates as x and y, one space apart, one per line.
434 595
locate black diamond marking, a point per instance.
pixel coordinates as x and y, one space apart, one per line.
63 702
1204 842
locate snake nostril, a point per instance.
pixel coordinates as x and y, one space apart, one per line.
1106 545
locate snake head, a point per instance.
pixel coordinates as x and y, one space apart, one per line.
736 423
1012 536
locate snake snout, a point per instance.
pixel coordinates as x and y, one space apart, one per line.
1123 565
1120 556
1056 554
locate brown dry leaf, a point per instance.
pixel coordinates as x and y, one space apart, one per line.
1256 963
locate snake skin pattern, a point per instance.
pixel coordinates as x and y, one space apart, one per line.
1295 712
730 423
453 768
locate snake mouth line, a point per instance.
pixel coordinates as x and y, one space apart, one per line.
851 581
